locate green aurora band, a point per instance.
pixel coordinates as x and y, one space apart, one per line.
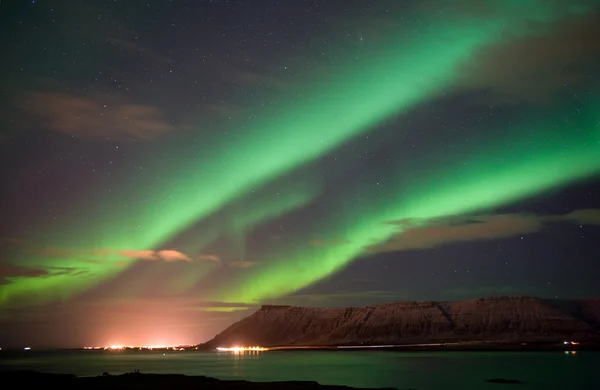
273 200
539 156
393 77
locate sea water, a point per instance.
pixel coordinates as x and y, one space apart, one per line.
402 370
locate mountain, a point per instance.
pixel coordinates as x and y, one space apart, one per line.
495 319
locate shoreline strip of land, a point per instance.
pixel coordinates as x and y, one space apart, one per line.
137 380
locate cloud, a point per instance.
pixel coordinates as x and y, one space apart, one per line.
168 255
59 252
242 264
223 306
584 217
94 256
9 271
537 66
89 256
209 257
57 271
415 234
173 255
240 73
139 254
444 231
182 304
94 117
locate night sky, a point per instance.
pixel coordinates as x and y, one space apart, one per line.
169 166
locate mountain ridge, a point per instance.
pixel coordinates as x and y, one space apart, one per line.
497 319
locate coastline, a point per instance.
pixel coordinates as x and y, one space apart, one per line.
137 380
461 346
454 347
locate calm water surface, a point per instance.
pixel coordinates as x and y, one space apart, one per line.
402 370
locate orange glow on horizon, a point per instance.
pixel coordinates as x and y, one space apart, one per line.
149 347
237 349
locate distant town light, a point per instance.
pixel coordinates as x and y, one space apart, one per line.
237 349
140 347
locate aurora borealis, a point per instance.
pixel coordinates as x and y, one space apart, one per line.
170 167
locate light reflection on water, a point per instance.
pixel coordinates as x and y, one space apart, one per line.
420 370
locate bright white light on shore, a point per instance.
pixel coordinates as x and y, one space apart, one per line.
241 349
27 348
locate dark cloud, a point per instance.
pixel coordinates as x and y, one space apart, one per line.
440 232
415 234
9 271
584 217
96 117
59 252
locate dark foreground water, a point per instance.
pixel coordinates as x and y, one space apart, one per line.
402 370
